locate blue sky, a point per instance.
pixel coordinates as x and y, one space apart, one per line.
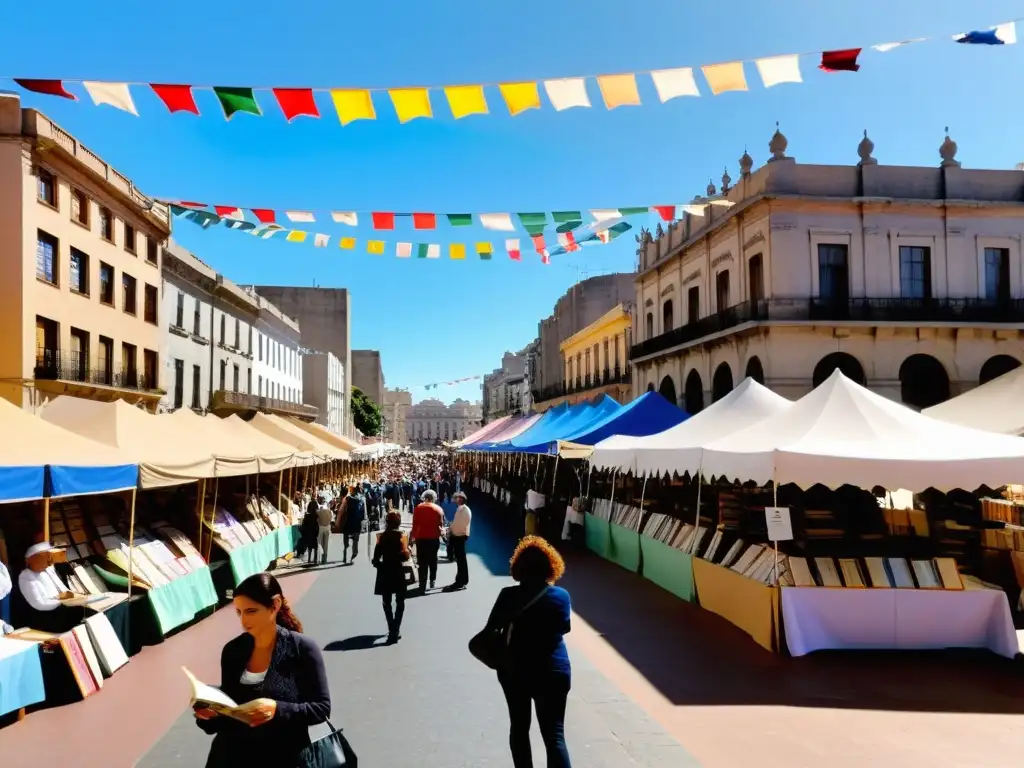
441 320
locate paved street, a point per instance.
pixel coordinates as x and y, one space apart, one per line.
650 674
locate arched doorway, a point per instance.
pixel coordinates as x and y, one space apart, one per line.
923 382
754 369
668 389
650 387
996 366
693 393
848 364
721 383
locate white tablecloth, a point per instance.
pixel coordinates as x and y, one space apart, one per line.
900 619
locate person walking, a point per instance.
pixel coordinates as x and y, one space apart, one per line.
324 518
427 526
389 558
310 531
278 672
537 673
352 515
458 536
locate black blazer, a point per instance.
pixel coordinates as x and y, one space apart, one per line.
296 680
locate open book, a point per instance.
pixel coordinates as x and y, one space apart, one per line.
213 698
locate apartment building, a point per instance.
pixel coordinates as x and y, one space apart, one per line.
910 280
323 386
80 251
397 403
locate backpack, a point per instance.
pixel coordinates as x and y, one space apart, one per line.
356 511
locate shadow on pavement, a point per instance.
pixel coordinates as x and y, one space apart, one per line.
356 643
693 657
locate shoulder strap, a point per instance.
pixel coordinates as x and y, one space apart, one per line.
529 604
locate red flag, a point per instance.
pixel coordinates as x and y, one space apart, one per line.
424 221
295 102
264 215
840 61
667 212
47 87
538 242
383 220
186 204
544 258
177 98
229 212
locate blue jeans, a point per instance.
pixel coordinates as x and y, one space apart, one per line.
547 692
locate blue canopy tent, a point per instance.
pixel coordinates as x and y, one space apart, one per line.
649 414
542 437
548 418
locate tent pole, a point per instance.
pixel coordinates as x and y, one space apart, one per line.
643 491
131 562
213 518
775 502
46 518
200 495
696 519
554 476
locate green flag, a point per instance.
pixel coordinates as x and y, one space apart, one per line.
533 220
237 100
633 211
460 219
421 251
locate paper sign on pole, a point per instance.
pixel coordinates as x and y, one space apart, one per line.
780 524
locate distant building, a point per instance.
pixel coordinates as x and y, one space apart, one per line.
431 423
908 280
505 389
367 374
397 403
323 385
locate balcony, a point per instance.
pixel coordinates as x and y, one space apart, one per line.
859 310
227 402
607 378
61 372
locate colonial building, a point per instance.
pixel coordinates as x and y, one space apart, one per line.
277 362
909 280
431 423
324 387
79 270
505 389
595 362
397 403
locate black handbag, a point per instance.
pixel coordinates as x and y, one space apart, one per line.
490 647
332 751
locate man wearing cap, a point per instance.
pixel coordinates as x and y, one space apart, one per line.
458 536
45 593
427 526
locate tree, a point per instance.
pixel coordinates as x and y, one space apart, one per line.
365 413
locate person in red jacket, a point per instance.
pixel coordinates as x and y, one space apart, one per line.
427 528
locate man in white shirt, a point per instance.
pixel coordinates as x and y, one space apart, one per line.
459 535
45 593
5 590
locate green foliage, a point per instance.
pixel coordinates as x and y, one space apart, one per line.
365 413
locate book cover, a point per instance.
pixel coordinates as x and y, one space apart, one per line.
108 648
87 685
82 636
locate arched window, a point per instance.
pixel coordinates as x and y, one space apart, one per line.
754 369
996 366
841 361
650 326
668 389
666 317
923 382
721 383
693 393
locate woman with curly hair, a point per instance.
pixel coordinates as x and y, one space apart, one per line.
537 673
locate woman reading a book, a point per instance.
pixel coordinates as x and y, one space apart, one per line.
275 674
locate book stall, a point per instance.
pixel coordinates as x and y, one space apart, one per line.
790 544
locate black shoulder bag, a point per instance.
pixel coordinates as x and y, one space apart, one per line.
332 751
490 646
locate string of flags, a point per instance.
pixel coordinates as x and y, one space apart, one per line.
411 103
452 383
599 233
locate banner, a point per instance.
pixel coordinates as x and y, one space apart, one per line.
408 103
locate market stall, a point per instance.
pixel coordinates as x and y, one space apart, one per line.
996 406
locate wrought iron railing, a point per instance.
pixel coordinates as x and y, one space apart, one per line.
223 398
61 365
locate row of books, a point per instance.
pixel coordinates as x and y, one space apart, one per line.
880 572
625 515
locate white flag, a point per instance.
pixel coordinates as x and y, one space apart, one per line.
345 217
115 94
321 241
499 221
779 69
433 251
672 83
304 217
693 209
725 77
567 93
403 250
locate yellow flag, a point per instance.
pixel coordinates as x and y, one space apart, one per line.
520 96
353 105
484 250
466 100
457 250
411 103
376 247
348 243
297 236
619 90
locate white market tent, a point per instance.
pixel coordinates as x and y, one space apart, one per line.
996 406
289 434
233 457
679 449
841 433
375 450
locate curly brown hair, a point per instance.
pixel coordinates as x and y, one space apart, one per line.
535 560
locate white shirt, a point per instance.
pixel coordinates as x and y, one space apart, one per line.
460 524
252 678
41 589
5 581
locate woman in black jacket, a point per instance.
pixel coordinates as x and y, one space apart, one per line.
277 669
389 558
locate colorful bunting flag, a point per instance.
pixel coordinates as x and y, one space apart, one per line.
886 47
512 246
567 93
466 100
840 61
520 97
300 217
567 241
297 236
234 100
46 87
667 212
410 103
673 83
403 250
264 215
501 222
383 220
421 251
348 243
1004 34
115 95
424 221
353 105
460 219
375 247
321 241
177 98
723 78
619 90
484 251
433 251
229 212
345 217
457 251
779 69
295 102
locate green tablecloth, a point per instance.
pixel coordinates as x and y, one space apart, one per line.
597 534
253 558
624 547
180 601
287 538
668 567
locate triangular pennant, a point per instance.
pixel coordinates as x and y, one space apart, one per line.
229 212
667 212
234 100
116 95
295 102
177 98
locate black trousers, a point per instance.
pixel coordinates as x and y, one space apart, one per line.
353 539
426 560
547 692
394 613
458 545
